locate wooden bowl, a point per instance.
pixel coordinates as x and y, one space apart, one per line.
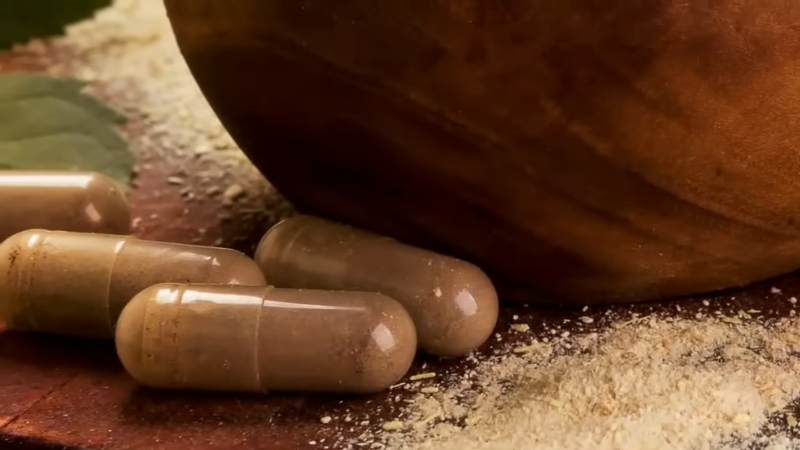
579 151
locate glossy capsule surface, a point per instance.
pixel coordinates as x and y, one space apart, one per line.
68 201
453 303
256 339
77 283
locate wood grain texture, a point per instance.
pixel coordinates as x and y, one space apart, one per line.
580 151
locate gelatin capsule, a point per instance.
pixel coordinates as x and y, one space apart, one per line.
453 303
256 339
77 283
68 201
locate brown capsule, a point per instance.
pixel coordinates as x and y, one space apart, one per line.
453 303
255 339
68 201
77 283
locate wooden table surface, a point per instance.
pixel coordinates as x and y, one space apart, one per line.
63 393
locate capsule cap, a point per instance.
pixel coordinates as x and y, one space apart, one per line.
59 200
181 337
106 208
463 312
129 336
334 341
57 282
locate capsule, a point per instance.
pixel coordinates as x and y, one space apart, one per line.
452 302
261 338
76 284
68 201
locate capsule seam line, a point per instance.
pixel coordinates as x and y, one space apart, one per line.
111 324
256 343
24 283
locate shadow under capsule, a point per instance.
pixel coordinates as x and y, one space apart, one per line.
156 406
243 225
50 352
11 441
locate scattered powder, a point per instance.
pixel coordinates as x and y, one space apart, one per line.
422 376
393 426
646 383
520 327
233 192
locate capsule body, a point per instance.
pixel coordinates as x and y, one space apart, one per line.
77 283
68 201
453 303
256 339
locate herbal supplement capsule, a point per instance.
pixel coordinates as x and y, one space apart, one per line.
255 339
68 201
77 283
452 302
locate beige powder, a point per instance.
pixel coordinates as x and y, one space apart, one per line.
646 384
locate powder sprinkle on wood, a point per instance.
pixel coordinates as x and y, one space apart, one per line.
656 383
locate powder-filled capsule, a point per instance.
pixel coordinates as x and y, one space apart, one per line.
68 201
453 303
256 339
77 283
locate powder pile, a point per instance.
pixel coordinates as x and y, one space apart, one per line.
648 383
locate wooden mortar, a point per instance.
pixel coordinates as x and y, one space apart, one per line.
579 151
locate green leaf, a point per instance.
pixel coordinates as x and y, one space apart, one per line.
17 86
49 124
23 20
